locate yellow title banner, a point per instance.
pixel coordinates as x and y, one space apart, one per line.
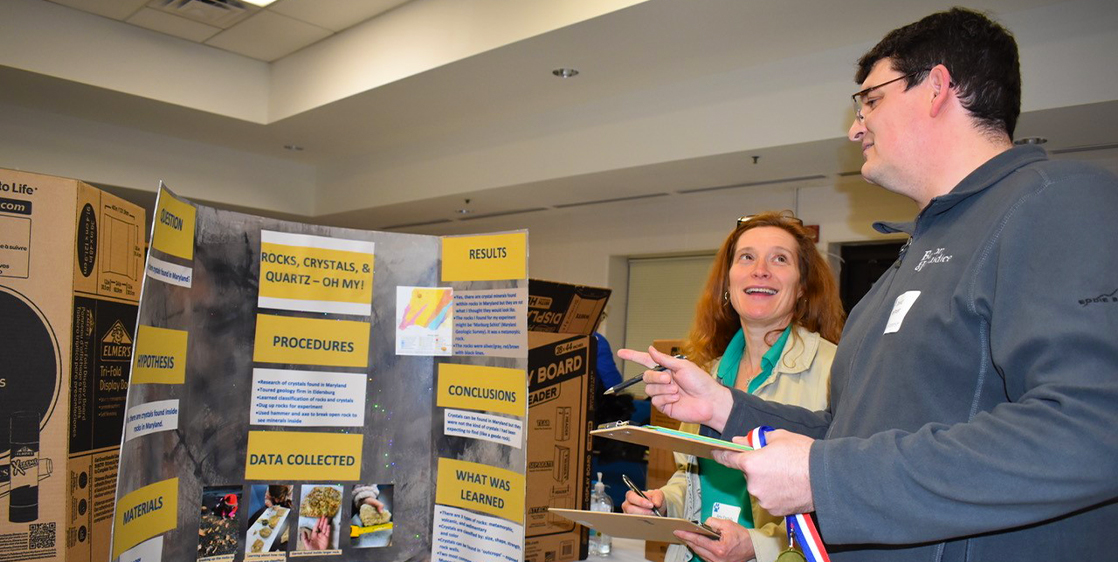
160 356
305 272
299 455
490 257
481 487
477 387
174 227
145 513
311 341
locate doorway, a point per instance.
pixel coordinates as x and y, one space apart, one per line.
862 265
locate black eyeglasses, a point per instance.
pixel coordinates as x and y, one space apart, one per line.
747 218
860 97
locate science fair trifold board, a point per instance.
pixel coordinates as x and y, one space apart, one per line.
319 393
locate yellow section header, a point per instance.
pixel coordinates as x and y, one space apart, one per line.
144 513
491 257
476 387
481 487
174 227
311 341
297 455
160 356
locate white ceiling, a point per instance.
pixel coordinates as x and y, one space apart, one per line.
404 110
265 34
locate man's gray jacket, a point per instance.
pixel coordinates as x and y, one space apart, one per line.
974 400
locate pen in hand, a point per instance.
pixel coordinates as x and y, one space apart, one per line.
627 383
634 488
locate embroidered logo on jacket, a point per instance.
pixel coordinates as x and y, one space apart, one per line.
1110 297
931 256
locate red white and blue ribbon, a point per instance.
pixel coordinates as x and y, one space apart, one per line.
799 524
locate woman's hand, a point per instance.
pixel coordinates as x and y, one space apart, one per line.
683 391
735 544
637 505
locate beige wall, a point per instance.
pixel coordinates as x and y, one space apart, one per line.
590 244
65 146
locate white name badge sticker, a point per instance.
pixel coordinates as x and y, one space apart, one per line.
726 511
900 309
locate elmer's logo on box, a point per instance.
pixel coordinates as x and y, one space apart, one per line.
116 345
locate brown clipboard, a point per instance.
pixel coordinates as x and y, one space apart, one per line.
631 526
672 440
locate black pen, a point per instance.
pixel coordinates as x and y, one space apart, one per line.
633 487
626 384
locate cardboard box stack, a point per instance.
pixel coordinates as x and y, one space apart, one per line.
71 261
561 363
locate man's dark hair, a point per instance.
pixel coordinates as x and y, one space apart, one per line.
980 54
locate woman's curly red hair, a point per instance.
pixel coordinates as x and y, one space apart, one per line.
818 310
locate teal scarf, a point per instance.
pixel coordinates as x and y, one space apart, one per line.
722 485
731 360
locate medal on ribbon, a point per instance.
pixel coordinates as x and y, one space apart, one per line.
791 555
800 526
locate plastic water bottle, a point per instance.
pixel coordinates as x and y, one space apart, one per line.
600 544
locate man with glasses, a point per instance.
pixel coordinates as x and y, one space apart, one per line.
974 397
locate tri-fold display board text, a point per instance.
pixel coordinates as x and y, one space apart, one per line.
335 394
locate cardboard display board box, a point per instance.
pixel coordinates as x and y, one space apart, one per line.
71 261
561 369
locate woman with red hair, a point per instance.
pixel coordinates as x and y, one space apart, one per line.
767 323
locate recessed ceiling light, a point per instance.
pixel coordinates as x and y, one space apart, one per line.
1030 140
260 3
565 72
293 147
465 210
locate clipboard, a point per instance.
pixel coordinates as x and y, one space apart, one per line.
632 526
670 439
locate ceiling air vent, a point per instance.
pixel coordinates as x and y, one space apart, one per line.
503 214
218 13
614 200
1086 148
753 184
